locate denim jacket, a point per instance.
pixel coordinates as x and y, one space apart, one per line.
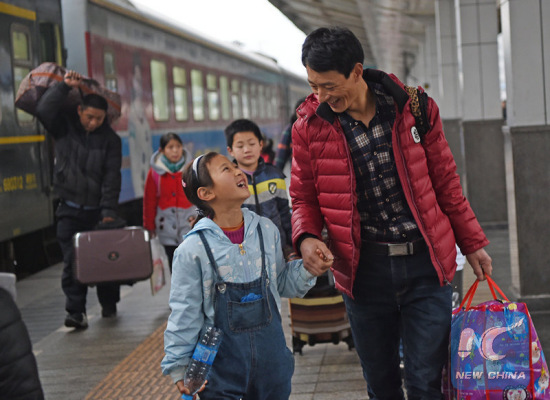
193 279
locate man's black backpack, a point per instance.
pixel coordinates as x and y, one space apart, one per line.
419 100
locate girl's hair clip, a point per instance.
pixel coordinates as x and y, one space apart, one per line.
196 169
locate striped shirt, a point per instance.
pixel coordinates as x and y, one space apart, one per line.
383 209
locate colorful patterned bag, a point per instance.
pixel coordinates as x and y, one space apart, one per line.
495 352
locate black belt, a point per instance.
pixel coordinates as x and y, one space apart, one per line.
72 204
394 249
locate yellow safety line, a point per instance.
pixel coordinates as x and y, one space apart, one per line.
17 11
22 139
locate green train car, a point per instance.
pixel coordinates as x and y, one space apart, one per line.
30 33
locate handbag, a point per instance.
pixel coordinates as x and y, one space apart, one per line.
494 351
160 264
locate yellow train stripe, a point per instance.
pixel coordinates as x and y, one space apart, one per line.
17 11
264 186
317 301
22 139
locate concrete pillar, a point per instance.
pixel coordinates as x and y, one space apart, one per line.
417 75
431 83
526 39
482 115
450 105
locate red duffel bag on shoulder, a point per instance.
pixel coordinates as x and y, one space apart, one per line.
47 74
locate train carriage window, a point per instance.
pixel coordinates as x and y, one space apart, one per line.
197 93
110 70
180 94
22 63
235 103
271 104
225 97
245 100
268 110
159 84
261 101
253 101
50 43
213 97
270 96
275 102
21 44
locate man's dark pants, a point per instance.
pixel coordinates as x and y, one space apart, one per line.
393 297
72 220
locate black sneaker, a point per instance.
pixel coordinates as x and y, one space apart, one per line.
76 320
108 311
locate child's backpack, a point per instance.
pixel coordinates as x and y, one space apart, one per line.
156 179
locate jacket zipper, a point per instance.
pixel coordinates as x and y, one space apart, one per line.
351 181
445 280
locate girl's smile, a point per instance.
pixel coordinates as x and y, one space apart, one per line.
243 183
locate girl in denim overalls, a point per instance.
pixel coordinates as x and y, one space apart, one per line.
226 259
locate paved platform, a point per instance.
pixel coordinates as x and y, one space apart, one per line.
119 359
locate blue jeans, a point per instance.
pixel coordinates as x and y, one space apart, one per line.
400 297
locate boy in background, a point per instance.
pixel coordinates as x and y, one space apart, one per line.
265 181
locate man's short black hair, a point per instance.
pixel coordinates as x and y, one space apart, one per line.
332 49
95 101
241 125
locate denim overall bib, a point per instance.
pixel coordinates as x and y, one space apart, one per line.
253 362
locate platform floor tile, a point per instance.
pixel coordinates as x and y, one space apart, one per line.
138 376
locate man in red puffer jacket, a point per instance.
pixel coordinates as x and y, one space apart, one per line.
393 207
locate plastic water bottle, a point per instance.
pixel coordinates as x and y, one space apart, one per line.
202 360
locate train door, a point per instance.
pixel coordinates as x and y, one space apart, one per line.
25 185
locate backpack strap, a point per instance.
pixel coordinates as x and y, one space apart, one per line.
156 179
419 109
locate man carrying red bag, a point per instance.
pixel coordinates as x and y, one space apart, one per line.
393 206
87 178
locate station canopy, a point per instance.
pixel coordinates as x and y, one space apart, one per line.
390 31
